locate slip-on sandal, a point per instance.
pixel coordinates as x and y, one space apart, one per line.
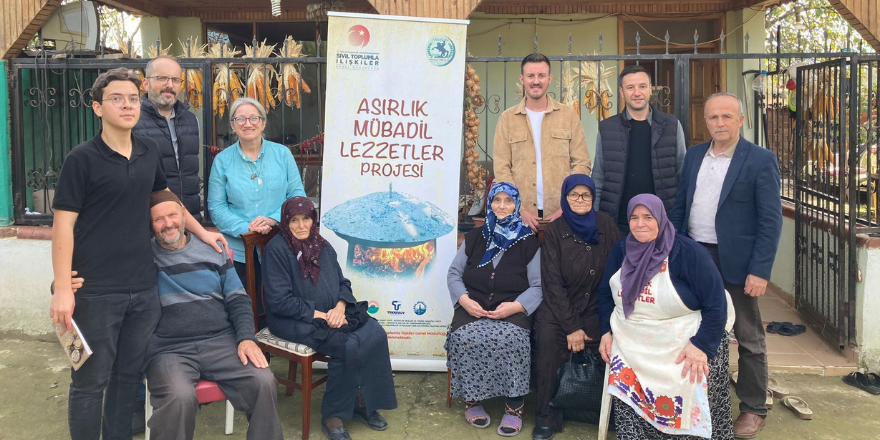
778 391
773 327
798 406
859 380
789 329
511 423
874 379
477 416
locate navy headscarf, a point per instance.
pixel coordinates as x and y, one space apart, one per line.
501 234
644 260
584 226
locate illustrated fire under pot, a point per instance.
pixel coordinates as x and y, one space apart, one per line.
389 233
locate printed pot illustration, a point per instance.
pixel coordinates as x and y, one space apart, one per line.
389 233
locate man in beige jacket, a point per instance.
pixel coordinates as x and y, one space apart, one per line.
538 143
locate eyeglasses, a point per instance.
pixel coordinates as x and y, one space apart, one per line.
119 101
254 120
572 197
164 79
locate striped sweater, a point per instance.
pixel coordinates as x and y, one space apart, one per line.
201 296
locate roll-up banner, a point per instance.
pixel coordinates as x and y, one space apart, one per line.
389 195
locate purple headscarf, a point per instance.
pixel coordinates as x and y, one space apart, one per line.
644 260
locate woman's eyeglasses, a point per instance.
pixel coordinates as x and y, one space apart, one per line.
573 197
253 119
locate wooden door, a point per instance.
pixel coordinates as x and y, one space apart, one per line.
704 82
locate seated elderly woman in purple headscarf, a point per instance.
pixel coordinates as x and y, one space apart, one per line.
495 285
309 301
664 312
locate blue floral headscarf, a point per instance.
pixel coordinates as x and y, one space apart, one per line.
501 234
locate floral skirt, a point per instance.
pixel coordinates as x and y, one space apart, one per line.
631 425
489 358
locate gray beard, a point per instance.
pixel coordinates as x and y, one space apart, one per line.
160 105
172 245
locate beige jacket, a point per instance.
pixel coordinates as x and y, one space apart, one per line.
563 152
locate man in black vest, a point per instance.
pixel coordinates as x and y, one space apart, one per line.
174 128
640 150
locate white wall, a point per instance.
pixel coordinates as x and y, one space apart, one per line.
783 267
867 305
740 23
25 275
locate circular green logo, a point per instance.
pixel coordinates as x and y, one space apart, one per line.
440 50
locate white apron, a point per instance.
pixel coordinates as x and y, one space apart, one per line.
643 371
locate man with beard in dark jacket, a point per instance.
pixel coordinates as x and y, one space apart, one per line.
174 128
640 150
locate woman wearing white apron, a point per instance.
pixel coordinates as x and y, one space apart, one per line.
663 312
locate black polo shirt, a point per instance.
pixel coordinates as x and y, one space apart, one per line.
111 194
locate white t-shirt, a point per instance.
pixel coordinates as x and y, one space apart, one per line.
536 118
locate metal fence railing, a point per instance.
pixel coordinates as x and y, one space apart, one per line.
824 130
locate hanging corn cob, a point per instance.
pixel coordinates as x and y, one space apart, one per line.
193 77
569 87
291 82
153 52
227 85
476 174
260 75
597 97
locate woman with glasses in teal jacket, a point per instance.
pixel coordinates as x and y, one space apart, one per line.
249 181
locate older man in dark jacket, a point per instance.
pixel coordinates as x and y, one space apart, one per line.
170 124
728 200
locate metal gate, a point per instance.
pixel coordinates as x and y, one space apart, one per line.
821 202
835 186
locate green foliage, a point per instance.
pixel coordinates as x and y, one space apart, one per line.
823 29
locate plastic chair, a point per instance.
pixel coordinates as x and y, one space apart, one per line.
206 392
295 353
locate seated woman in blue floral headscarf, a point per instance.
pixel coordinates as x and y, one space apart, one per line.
495 285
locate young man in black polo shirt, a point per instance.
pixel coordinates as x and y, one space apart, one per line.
101 230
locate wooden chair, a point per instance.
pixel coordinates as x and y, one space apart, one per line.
296 354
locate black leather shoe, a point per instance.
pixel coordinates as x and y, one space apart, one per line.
337 434
542 433
374 421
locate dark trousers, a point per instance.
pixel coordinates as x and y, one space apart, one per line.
116 326
549 353
358 360
173 374
751 386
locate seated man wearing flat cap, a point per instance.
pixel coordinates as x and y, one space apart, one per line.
206 332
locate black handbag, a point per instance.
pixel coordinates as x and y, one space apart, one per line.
579 385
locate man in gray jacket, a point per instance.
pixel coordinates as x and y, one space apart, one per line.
640 150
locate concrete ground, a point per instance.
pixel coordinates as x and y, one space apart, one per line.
34 381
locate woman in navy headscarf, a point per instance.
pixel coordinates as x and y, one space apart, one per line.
664 312
495 285
573 255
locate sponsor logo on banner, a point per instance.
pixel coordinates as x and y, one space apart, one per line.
359 38
440 50
372 307
420 308
396 305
